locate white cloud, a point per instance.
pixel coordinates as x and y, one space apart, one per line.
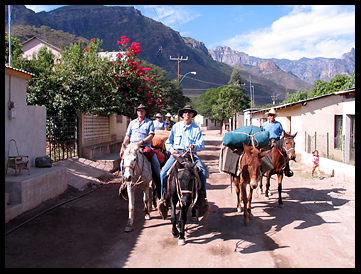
171 16
307 31
38 8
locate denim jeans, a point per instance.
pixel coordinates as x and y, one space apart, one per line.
168 164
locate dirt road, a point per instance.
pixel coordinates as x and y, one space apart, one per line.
316 228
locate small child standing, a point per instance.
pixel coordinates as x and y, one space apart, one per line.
315 164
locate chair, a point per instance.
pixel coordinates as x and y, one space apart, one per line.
18 162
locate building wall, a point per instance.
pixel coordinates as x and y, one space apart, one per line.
33 46
318 119
29 126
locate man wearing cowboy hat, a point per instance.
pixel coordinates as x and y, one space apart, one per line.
276 132
183 136
141 131
272 126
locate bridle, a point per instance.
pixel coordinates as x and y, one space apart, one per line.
135 166
181 192
284 146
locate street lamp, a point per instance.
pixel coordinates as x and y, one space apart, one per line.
192 72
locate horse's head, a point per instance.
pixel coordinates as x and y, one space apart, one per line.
186 177
289 145
253 162
130 159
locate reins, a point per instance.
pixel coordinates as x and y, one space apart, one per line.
180 192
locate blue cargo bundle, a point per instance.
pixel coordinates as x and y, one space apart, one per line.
241 135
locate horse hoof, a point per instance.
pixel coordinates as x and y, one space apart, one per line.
251 217
147 216
239 210
281 205
181 242
128 228
175 235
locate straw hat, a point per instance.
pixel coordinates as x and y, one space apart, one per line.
272 112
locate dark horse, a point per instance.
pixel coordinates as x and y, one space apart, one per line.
183 187
282 152
250 173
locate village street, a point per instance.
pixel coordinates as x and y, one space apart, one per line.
316 228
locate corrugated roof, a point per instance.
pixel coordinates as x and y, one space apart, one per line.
23 71
342 92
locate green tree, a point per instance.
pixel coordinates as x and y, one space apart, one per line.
222 103
16 50
236 78
296 96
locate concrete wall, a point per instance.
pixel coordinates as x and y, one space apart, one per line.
29 126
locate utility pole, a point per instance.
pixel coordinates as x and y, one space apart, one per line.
9 22
179 59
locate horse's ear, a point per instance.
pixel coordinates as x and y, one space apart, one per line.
246 149
284 134
193 165
294 135
264 153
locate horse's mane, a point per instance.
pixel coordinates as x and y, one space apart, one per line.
130 149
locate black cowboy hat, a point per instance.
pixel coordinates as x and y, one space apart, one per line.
189 108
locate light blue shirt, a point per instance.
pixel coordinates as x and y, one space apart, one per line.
182 136
275 129
137 132
159 125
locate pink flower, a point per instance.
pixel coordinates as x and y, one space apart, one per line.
124 74
91 40
86 49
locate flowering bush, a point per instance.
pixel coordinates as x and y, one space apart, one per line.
128 83
82 80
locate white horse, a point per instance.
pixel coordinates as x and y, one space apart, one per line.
137 174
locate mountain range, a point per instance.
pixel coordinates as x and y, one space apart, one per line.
159 43
306 69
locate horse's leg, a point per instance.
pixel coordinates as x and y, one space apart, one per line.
245 202
146 201
267 193
238 193
260 184
173 218
130 190
183 220
194 217
250 215
154 195
280 203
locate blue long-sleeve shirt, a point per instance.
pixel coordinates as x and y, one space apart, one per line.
182 136
275 129
138 131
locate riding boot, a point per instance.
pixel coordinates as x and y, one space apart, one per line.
287 170
163 206
203 206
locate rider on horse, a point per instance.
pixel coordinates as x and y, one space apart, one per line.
141 131
184 135
276 131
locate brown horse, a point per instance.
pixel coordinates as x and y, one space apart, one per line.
282 153
250 173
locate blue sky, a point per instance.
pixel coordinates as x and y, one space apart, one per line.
267 31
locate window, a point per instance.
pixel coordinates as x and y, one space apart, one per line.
338 132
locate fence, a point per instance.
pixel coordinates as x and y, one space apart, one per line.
330 146
61 141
